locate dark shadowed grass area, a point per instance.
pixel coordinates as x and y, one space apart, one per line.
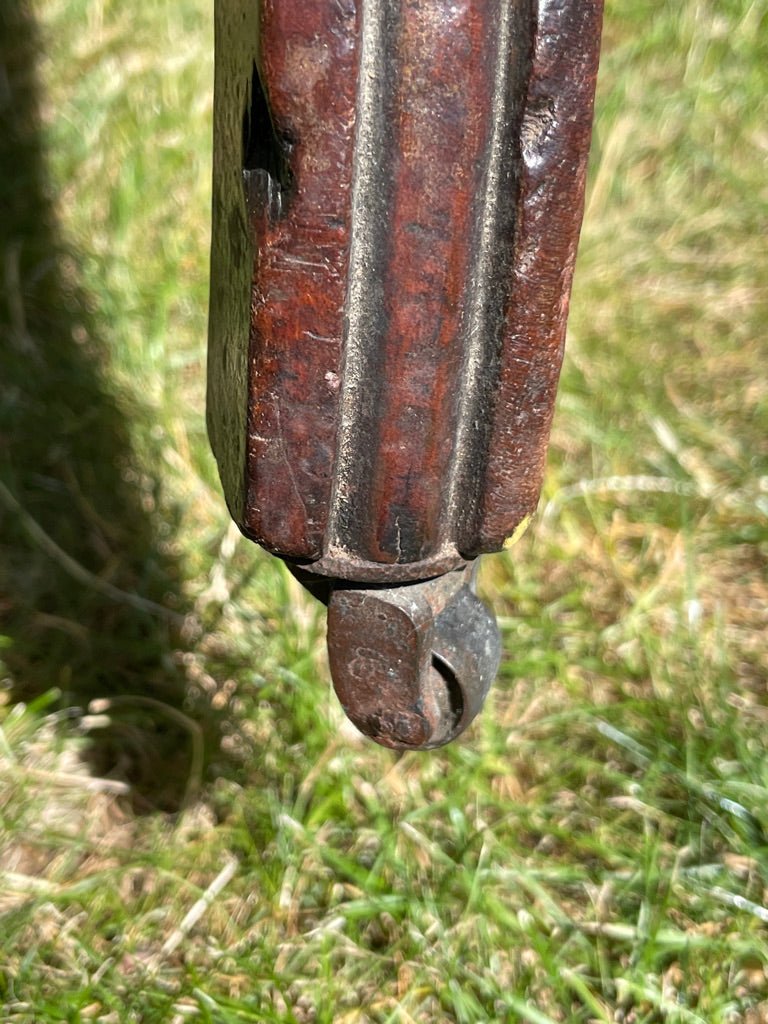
90 585
595 848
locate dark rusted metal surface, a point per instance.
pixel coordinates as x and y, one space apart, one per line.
401 184
412 664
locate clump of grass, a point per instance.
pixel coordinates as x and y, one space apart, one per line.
595 849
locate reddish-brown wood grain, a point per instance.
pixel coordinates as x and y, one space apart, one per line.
555 135
308 69
415 175
438 117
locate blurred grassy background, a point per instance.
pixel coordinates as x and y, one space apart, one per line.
594 849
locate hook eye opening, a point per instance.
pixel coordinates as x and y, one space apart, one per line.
454 698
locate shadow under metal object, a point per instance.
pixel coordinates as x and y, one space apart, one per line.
397 195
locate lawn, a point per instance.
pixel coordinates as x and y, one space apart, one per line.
188 828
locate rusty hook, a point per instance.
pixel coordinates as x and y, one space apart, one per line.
412 664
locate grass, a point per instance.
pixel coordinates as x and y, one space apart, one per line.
594 850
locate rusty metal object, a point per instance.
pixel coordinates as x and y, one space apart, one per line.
412 664
398 190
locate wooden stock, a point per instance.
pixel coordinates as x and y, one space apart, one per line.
398 191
